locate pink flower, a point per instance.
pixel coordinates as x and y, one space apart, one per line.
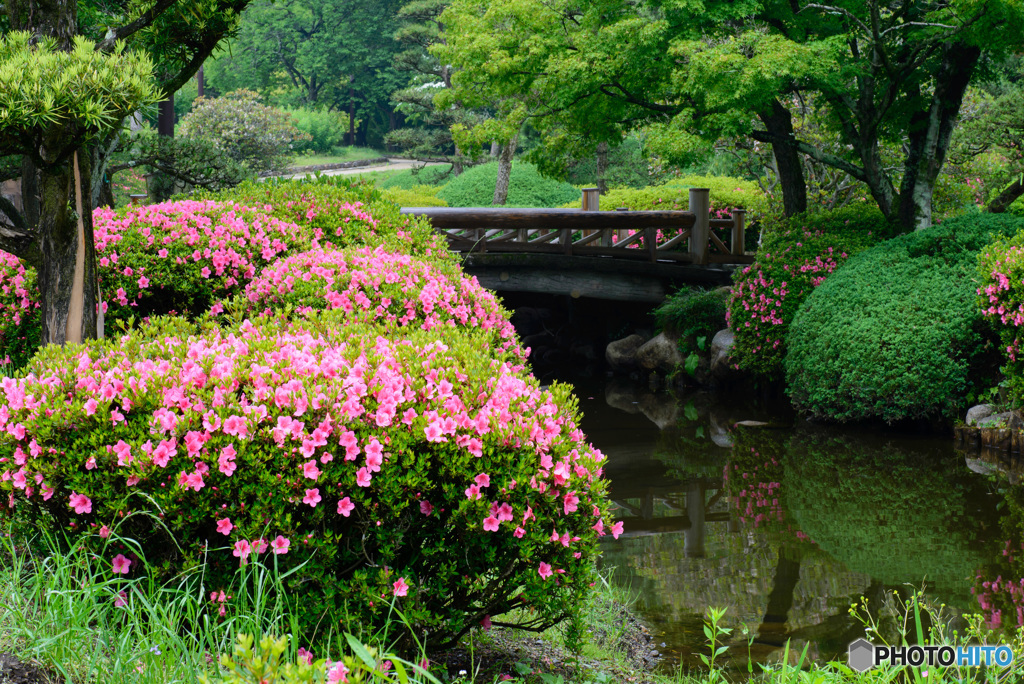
104 532
143 282
280 545
224 526
345 507
122 600
401 588
90 407
81 503
426 508
473 492
617 529
305 655
363 477
337 673
259 546
242 549
544 570
310 471
312 497
121 564
491 524
483 480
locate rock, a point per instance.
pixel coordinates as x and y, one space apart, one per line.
660 409
622 395
1001 420
753 423
621 354
721 349
979 412
661 353
719 430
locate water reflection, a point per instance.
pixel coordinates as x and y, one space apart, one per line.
785 523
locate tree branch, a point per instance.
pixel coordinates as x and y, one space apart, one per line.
144 20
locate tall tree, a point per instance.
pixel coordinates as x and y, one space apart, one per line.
882 69
71 74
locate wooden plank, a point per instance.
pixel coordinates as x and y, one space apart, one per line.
587 239
719 243
700 205
574 219
628 240
533 247
669 244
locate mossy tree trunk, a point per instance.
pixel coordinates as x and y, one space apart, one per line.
504 170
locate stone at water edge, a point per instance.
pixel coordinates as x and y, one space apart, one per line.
621 354
721 349
1009 419
661 353
978 413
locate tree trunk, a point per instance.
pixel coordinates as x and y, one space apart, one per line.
504 171
1006 197
602 168
351 116
929 135
67 277
779 125
165 117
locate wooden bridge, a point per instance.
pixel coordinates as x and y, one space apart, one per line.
620 255
681 237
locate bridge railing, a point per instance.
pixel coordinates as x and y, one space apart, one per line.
681 236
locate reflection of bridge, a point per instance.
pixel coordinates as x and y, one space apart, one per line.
623 255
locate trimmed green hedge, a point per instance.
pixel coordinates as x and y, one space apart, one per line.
428 175
895 334
526 188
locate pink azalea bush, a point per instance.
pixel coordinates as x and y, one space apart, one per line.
343 212
383 287
1001 301
793 259
421 469
181 256
19 311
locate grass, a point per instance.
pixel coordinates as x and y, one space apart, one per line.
65 609
340 155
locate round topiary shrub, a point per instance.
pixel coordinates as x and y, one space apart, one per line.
895 334
526 188
419 471
794 258
183 256
381 287
20 327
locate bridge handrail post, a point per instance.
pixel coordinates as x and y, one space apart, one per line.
738 231
565 237
700 206
651 242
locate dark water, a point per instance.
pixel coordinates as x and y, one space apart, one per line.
788 524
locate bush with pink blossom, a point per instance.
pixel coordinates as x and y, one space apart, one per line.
180 257
340 211
19 312
794 258
382 287
420 469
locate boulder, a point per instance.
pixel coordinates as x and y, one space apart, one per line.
1008 419
661 354
979 412
721 349
621 354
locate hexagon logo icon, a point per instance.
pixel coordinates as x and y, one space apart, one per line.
862 655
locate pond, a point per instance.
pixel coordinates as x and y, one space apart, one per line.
787 524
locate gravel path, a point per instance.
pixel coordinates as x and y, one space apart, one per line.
392 165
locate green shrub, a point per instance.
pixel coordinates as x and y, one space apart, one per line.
1001 301
416 196
249 132
726 194
526 188
796 256
323 130
416 469
896 333
433 175
691 313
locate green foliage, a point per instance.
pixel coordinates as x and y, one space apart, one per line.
726 193
196 162
249 132
325 129
20 324
265 662
436 174
691 313
796 256
628 167
526 188
416 196
896 333
82 92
